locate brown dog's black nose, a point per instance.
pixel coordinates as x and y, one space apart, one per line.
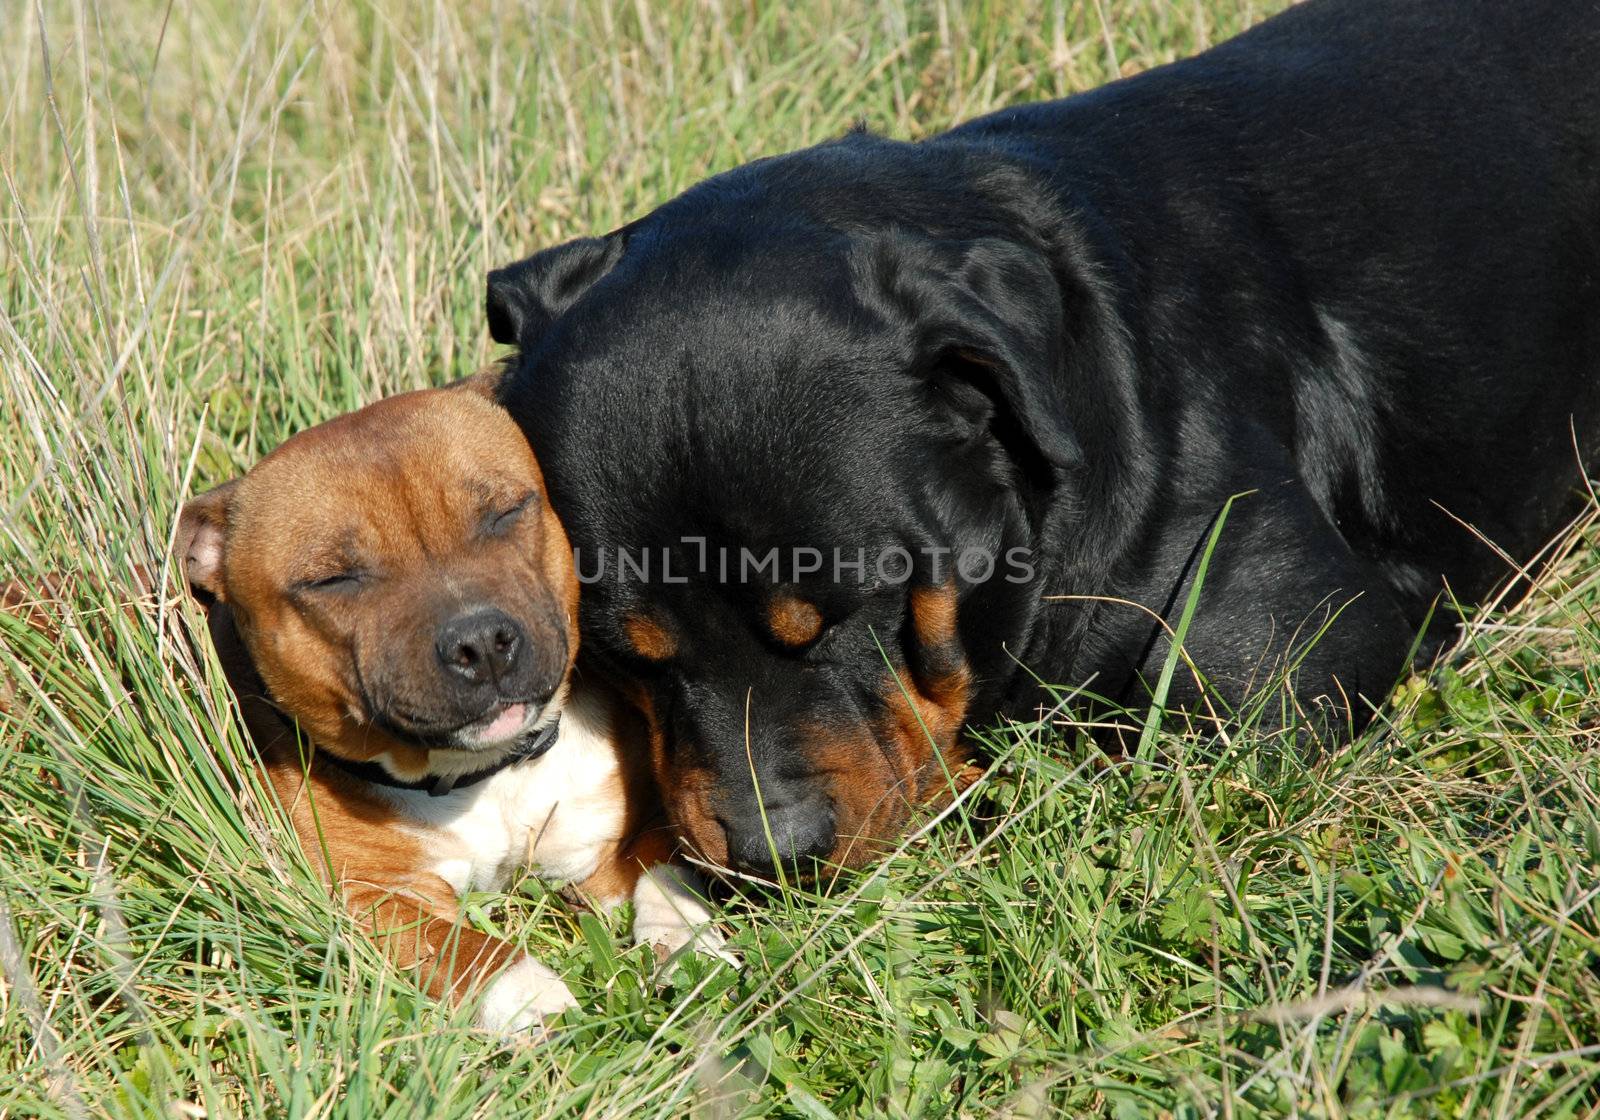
481 646
800 831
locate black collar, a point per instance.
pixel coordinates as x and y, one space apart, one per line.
531 747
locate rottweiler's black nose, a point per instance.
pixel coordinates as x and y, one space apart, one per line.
481 646
800 831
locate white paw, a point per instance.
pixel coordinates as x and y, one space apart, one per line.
668 939
522 997
670 915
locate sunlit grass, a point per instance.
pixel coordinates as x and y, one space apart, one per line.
220 223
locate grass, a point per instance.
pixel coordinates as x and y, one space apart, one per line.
222 222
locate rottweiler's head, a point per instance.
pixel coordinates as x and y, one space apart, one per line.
803 442
399 579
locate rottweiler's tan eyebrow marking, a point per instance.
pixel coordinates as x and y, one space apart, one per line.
649 639
794 621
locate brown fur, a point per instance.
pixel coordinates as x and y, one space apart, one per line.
793 621
688 790
914 757
422 498
648 638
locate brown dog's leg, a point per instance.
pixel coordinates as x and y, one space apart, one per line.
383 870
450 961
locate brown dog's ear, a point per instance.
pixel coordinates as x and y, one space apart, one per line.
202 526
485 383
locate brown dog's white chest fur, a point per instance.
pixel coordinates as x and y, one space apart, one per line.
557 816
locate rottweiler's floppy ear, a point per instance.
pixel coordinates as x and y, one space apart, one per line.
524 297
987 316
201 528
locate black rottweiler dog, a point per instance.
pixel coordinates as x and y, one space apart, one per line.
861 443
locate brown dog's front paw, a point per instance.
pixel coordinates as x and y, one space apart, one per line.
521 998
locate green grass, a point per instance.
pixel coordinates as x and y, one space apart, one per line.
222 222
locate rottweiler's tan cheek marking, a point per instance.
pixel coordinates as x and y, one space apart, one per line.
928 726
648 638
686 790
940 684
943 694
793 621
933 613
925 708
689 798
868 783
879 775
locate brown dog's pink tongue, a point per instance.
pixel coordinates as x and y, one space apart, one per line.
506 724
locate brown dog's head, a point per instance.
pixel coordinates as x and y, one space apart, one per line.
398 579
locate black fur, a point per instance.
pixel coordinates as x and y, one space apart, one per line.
1347 263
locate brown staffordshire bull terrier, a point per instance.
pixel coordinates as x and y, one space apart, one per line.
394 583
